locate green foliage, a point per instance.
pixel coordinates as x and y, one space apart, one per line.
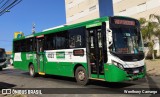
150 44
149 29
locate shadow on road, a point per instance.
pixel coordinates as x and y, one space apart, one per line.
4 85
92 83
152 86
110 84
6 71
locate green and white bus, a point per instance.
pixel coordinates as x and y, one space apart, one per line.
107 48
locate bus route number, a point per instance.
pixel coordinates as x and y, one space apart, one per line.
50 55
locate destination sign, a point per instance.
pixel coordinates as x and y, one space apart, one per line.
124 22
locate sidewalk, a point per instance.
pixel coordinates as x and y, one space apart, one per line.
153 67
9 67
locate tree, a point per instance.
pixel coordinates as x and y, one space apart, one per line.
157 19
149 29
144 30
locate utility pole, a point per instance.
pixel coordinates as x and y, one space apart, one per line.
33 28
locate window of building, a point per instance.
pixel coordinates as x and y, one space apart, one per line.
123 10
141 4
92 8
141 7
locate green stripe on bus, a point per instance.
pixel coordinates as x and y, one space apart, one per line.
94 25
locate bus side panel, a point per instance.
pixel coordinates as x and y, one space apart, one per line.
51 68
114 74
62 62
20 61
67 68
62 68
23 59
59 68
31 59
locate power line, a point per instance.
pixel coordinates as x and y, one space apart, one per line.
6 5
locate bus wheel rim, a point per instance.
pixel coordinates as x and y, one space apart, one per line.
81 75
31 70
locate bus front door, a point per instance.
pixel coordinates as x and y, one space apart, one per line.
40 54
96 49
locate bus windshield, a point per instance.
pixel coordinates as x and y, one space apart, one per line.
126 41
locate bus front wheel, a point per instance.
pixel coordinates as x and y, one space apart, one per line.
81 76
32 70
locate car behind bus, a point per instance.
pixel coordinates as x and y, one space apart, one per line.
3 62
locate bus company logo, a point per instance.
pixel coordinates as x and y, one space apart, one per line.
29 56
17 57
60 55
6 91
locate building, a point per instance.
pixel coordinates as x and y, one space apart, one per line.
9 52
82 10
136 8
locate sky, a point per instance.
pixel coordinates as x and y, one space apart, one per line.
44 13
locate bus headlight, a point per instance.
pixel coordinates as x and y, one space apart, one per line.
118 64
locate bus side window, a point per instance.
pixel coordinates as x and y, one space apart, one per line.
77 37
72 42
75 41
78 41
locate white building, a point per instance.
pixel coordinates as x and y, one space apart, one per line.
136 8
82 10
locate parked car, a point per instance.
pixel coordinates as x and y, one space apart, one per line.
3 60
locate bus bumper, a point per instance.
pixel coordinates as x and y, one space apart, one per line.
115 74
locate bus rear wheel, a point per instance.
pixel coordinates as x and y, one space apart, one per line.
81 76
32 70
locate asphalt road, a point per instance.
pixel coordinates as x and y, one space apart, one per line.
67 87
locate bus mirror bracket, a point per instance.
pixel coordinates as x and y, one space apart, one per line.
109 37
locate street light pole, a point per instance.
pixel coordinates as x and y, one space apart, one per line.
33 28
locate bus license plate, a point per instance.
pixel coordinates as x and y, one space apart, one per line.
136 71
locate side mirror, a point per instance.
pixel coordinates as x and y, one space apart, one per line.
109 37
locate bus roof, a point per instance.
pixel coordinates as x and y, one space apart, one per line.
66 27
72 26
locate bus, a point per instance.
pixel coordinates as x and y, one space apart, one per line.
108 49
3 60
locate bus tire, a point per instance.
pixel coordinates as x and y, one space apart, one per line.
81 76
32 71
